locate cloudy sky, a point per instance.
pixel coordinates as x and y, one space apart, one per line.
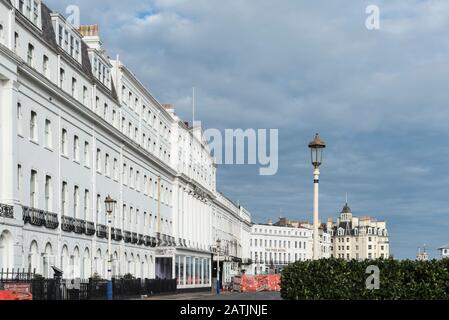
378 97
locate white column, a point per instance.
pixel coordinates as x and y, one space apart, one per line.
316 239
8 151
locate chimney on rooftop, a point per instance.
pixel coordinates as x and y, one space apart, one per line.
91 36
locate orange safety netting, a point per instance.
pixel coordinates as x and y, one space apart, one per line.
260 283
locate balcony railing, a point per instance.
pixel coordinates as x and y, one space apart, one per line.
127 236
134 238
147 241
153 242
34 216
6 211
101 231
90 228
117 234
140 239
80 226
67 224
51 220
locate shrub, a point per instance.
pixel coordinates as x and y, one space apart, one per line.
338 279
128 276
96 276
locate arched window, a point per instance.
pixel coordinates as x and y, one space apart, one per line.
86 270
76 263
34 261
48 261
65 261
6 250
99 263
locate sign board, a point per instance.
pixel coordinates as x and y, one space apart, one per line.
19 287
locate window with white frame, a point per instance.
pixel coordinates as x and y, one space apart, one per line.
86 154
74 88
61 78
85 96
19 118
48 134
76 200
107 169
19 177
98 161
48 194
33 189
33 126
76 148
86 205
115 169
64 198
64 142
45 66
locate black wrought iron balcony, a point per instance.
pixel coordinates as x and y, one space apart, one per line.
101 231
33 216
67 224
147 240
90 228
153 242
117 234
6 211
134 238
51 220
80 226
127 236
140 239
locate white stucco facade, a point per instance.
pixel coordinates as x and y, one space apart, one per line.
76 126
273 246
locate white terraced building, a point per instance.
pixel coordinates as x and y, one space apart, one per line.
273 246
75 127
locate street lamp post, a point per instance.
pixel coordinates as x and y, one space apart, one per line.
109 203
316 150
218 266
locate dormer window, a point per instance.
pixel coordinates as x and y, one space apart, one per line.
66 40
35 12
28 9
67 37
61 36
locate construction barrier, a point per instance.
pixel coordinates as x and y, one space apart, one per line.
257 283
15 295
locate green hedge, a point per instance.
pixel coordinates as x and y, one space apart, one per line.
339 279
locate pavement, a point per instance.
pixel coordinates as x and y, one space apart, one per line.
221 296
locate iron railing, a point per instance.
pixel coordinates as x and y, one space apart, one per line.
33 216
134 238
79 226
6 211
67 224
127 236
101 231
84 289
147 241
90 228
51 220
117 234
140 239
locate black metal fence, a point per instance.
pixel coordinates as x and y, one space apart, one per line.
85 289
